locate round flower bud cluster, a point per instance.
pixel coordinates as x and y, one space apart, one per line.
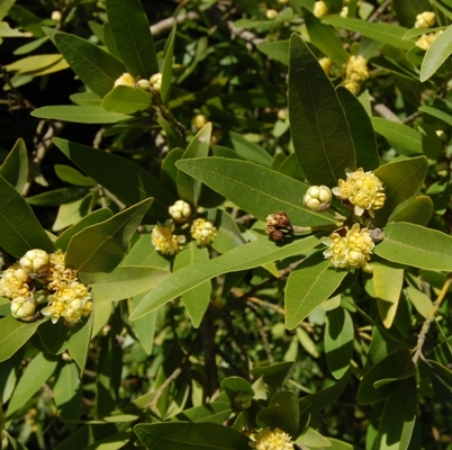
24 308
344 12
271 14
320 9
332 69
352 250
275 439
425 19
426 40
156 81
14 283
362 189
165 241
203 231
125 80
318 198
180 211
356 72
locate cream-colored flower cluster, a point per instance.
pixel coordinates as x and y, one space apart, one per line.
167 242
362 189
425 19
320 9
47 275
269 439
154 83
356 72
318 198
426 40
350 248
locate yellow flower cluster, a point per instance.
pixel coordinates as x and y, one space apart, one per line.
425 19
356 72
352 250
272 440
68 297
362 189
320 9
426 40
165 241
203 231
126 79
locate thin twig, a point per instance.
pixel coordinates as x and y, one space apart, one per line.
158 393
165 25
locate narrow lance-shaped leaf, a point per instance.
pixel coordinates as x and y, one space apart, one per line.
79 342
100 248
416 246
311 283
320 131
126 100
15 166
132 35
20 230
95 67
242 258
254 188
435 56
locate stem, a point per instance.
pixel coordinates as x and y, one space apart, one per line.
428 321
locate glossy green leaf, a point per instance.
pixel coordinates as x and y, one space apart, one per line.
420 301
381 32
20 230
398 418
144 327
416 246
54 337
242 258
274 374
254 188
95 67
215 412
130 29
85 98
278 50
314 403
310 284
249 150
228 235
9 371
128 181
402 179
14 169
125 282
397 366
361 130
311 438
438 113
190 436
418 211
388 282
100 247
319 127
408 10
57 197
403 138
126 100
73 176
78 114
34 63
79 341
196 300
5 7
324 38
189 189
439 51
236 385
339 335
167 70
38 371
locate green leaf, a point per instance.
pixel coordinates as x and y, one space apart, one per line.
416 246
388 282
241 258
419 210
324 38
228 235
196 300
395 367
319 127
35 375
381 32
54 337
403 138
216 412
128 181
401 180
34 63
236 385
132 35
95 67
79 342
15 166
435 56
314 403
79 114
190 436
254 188
313 439
438 113
278 50
73 176
189 189
14 335
339 335
249 150
144 327
9 371
167 70
420 301
275 374
100 248
361 130
126 100
398 418
85 98
20 230
124 282
58 197
408 10
310 284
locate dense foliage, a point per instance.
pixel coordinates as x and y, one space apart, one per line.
225 223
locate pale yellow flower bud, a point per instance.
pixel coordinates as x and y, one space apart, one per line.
271 14
165 241
72 316
326 64
180 211
203 231
317 197
125 80
199 121
56 16
356 69
55 309
425 19
143 84
35 262
353 86
320 9
283 2
14 282
344 12
87 308
272 440
426 40
23 308
156 81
